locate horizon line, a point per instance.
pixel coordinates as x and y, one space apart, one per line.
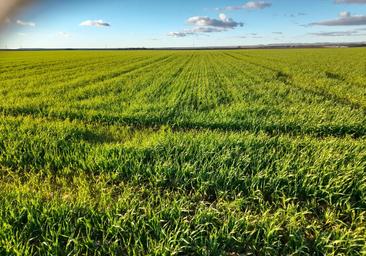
258 46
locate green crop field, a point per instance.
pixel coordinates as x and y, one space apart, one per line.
237 152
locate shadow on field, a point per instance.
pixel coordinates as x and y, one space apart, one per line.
155 123
285 78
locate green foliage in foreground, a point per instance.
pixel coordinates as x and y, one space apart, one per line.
183 153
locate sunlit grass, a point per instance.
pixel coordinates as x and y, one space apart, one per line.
183 153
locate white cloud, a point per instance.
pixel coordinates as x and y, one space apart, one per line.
222 22
252 5
203 24
95 23
25 23
350 1
344 14
257 5
345 19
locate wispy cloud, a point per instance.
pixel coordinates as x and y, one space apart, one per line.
252 5
335 33
352 32
95 23
344 19
196 30
293 15
203 24
350 1
64 34
25 23
179 34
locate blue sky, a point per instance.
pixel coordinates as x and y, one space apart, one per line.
163 23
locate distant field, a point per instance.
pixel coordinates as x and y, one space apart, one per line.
251 152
